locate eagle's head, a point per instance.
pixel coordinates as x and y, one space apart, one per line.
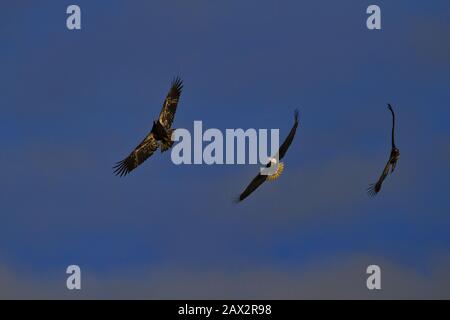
279 170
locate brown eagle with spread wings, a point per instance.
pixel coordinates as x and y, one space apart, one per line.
374 188
159 136
260 178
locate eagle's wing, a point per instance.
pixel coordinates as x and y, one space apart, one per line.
393 124
287 142
170 104
256 182
144 150
374 188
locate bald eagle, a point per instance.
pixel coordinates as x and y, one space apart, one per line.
160 135
374 188
260 179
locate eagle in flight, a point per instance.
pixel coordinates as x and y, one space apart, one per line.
260 178
160 135
374 188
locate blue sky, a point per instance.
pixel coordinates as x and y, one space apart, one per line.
75 102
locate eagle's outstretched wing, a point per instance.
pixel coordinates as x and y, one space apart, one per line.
170 104
393 124
374 188
256 182
287 142
144 150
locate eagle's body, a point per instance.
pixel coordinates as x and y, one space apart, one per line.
390 165
159 137
260 178
161 134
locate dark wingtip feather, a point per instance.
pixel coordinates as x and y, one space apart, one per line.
371 190
177 84
237 199
121 169
296 115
